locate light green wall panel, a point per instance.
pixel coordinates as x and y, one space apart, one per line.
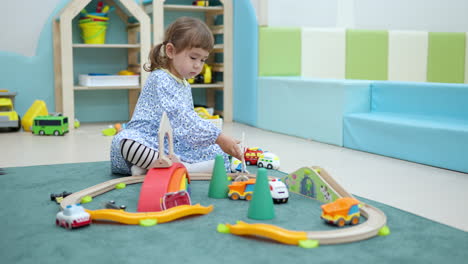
367 54
446 57
279 51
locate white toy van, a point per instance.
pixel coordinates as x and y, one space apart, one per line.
269 161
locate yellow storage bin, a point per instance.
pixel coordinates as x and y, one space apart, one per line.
38 108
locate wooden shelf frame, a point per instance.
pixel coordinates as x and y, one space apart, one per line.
63 51
157 8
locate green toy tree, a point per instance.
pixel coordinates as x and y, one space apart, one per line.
219 181
261 206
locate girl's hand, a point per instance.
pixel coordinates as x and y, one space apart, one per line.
229 146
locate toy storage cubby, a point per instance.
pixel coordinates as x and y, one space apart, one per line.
130 29
218 16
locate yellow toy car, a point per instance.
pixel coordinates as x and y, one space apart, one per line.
8 116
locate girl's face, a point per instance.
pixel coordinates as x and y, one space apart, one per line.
187 63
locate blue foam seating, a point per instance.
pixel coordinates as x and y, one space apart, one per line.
309 108
420 122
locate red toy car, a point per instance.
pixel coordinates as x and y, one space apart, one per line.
251 155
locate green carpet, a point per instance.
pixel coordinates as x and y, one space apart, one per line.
29 235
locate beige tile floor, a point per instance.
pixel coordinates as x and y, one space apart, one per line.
434 193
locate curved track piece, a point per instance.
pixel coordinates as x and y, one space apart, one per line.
99 189
269 231
162 217
376 219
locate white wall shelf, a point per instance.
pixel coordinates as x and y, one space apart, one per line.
139 45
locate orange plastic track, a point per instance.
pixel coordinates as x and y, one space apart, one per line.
162 217
269 231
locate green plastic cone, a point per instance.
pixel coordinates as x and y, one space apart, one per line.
261 206
219 181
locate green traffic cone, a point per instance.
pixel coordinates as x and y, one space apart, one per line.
219 181
261 206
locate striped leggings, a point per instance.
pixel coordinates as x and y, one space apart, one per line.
137 154
142 156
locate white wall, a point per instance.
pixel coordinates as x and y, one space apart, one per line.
23 23
422 15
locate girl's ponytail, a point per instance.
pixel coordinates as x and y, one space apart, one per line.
157 58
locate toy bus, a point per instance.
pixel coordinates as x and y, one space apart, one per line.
342 211
50 125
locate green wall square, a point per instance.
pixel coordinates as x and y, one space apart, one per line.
446 57
367 54
279 51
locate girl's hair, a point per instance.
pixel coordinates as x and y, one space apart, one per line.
184 33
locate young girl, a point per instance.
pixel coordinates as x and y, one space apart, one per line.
181 56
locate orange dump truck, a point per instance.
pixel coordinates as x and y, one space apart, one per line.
342 211
242 190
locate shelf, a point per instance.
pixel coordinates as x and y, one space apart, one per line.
121 46
136 45
93 88
190 8
218 48
208 85
218 29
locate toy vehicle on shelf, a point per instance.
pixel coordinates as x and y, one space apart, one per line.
279 191
73 216
243 190
9 118
50 125
201 3
269 161
342 211
205 76
251 155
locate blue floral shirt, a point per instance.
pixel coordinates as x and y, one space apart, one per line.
193 137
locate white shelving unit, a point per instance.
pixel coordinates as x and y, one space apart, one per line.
139 39
157 10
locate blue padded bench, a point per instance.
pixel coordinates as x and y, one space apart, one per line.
309 108
420 122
